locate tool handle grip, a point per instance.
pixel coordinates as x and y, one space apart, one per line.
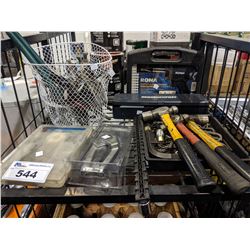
201 177
240 166
187 133
235 182
209 140
173 131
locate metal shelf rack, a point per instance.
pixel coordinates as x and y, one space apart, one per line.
142 185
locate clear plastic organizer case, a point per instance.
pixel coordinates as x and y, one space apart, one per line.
103 164
56 145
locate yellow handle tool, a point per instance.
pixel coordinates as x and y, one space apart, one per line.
202 179
175 134
209 140
240 166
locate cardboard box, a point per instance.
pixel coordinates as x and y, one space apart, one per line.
216 77
239 80
214 89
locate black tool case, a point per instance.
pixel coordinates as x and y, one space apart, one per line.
162 76
127 106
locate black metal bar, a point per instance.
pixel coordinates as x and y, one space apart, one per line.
34 212
212 76
27 88
73 36
18 214
2 71
32 39
38 92
16 58
229 85
243 108
221 79
20 134
196 42
17 99
234 82
57 195
47 210
206 68
8 126
247 119
38 49
240 89
157 193
228 42
204 53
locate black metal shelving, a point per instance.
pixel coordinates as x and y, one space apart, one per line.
144 186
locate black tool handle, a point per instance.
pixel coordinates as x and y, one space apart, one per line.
240 166
202 179
235 182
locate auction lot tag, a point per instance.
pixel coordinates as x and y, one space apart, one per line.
25 171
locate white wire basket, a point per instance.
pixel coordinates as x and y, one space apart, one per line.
74 81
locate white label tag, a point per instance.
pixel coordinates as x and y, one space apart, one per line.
111 72
25 171
94 66
138 112
39 153
105 137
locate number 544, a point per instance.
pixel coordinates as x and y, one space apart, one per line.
23 173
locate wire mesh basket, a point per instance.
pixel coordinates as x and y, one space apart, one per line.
73 82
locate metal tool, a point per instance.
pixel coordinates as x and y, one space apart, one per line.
240 166
202 179
165 149
201 119
234 181
159 135
156 113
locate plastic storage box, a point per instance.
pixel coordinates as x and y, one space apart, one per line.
49 144
104 163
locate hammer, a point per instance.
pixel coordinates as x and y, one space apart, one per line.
203 180
240 166
235 182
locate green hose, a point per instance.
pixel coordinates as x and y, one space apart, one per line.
44 71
